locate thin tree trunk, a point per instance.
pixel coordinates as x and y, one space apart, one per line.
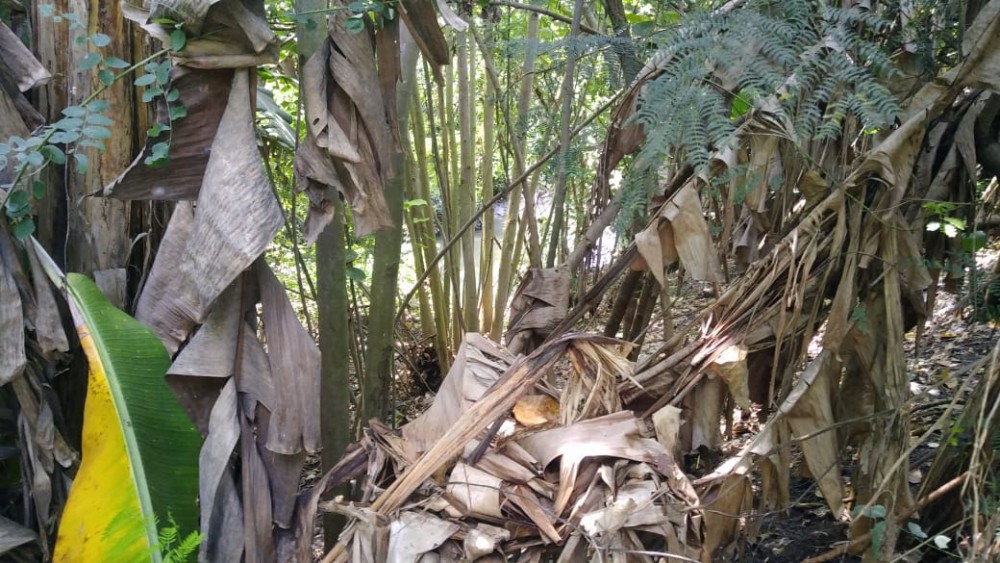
466 191
335 350
559 198
486 171
380 353
332 306
447 173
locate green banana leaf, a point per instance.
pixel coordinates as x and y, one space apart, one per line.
139 464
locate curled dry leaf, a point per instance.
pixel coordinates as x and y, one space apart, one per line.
680 231
535 410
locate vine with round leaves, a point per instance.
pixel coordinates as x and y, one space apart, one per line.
85 125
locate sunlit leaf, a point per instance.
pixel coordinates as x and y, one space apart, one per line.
139 462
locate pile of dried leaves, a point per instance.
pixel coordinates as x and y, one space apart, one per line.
568 471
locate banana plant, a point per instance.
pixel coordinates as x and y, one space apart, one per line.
138 474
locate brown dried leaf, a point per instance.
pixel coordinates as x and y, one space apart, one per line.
221 510
705 405
340 151
12 358
690 237
205 94
13 535
614 435
21 63
478 364
813 416
667 424
541 301
236 219
533 410
415 533
731 366
476 490
420 18
257 518
523 497
295 369
726 504
222 33
483 540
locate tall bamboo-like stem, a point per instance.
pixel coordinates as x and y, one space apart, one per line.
505 273
427 244
466 191
448 179
412 192
565 112
486 172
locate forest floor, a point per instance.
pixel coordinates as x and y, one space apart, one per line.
951 342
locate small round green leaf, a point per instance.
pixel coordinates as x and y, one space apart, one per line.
68 123
354 25
94 143
97 132
17 201
99 119
64 137
24 228
115 62
151 93
177 40
82 163
74 111
54 154
145 80
100 40
90 61
106 77
916 531
177 111
34 158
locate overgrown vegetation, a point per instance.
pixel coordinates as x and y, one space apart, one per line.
313 205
